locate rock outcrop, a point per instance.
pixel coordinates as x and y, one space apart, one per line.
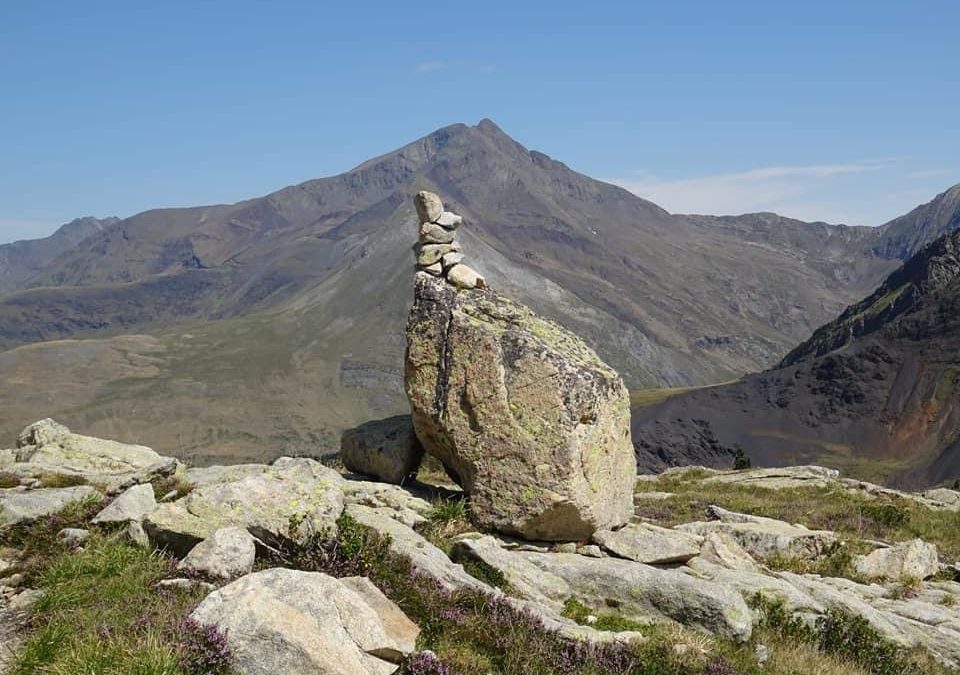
49 448
290 500
532 423
18 506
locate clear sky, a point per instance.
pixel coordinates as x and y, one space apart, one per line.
843 111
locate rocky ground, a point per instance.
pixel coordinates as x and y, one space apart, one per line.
279 567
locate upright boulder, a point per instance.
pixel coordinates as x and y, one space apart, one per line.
532 422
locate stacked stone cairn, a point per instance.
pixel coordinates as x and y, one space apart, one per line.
438 252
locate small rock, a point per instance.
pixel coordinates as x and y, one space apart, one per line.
136 535
185 584
910 560
649 544
567 547
73 536
451 259
12 581
591 551
25 599
169 497
761 653
41 433
462 276
434 234
134 504
436 269
449 220
429 206
431 254
227 553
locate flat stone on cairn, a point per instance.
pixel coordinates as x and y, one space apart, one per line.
438 252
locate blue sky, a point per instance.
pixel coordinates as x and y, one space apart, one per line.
841 111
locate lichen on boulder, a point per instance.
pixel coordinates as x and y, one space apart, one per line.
534 425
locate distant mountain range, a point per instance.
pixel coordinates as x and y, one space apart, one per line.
877 390
265 327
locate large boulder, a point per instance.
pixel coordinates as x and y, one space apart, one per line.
308 623
288 501
534 425
49 448
384 449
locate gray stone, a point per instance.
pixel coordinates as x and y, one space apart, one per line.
462 276
18 507
636 591
136 535
436 269
429 206
385 449
227 553
288 501
451 259
449 220
47 447
302 623
431 254
435 234
914 560
949 498
646 543
134 504
534 425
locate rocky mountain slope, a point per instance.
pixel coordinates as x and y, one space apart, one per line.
294 565
268 326
22 259
874 390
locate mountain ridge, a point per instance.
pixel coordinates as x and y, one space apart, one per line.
876 390
281 317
